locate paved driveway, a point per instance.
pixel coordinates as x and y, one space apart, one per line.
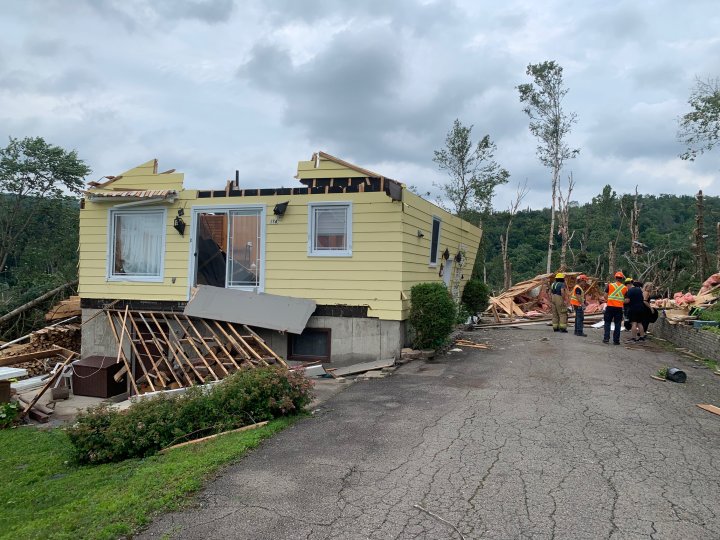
544 436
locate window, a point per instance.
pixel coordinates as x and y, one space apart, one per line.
435 241
136 245
312 345
330 229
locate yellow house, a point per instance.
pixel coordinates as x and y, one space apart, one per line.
348 238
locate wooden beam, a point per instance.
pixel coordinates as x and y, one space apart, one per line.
264 345
219 342
180 349
246 344
202 340
192 344
121 353
137 354
158 373
159 347
195 441
239 348
170 349
27 357
58 372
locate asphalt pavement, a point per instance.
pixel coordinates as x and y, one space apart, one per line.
545 435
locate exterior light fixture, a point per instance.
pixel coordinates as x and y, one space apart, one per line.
280 208
179 223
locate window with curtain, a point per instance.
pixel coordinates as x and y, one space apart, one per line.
330 228
137 243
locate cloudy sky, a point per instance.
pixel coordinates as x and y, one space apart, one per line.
210 86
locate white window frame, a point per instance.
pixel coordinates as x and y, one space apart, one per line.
201 209
111 245
312 252
434 263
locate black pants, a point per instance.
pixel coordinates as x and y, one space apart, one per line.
613 315
579 319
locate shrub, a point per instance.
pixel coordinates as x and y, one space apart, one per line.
432 314
475 296
711 314
9 414
103 434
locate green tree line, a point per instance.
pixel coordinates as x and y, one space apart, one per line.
666 226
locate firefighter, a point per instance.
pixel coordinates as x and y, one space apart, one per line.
559 296
614 311
577 300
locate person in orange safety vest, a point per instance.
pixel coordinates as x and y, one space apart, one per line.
577 301
614 311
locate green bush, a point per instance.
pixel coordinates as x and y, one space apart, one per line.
9 414
432 314
711 314
103 434
475 296
713 329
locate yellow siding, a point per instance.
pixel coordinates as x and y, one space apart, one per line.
454 233
387 256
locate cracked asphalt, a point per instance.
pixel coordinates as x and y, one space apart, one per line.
562 437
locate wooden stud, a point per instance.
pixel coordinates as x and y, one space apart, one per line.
192 344
202 340
137 356
158 373
172 352
235 344
262 343
209 437
121 353
709 408
180 349
219 342
159 347
246 344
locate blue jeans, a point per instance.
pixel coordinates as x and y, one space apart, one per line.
613 315
579 319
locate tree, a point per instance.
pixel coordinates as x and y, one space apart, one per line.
564 228
32 172
474 173
549 124
505 239
699 129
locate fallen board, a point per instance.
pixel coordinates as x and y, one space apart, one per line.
710 408
365 366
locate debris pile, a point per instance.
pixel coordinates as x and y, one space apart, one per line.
531 298
64 309
685 306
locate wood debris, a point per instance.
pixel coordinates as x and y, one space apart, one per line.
531 298
710 408
64 309
168 350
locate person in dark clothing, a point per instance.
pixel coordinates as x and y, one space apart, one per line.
651 314
614 311
636 311
577 300
626 309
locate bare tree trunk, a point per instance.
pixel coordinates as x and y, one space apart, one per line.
635 244
701 254
556 174
611 258
504 241
564 209
717 255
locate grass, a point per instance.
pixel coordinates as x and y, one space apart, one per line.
42 496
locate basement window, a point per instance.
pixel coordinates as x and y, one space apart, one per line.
330 229
136 245
435 241
313 345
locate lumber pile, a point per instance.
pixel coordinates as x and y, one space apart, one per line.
44 348
64 309
531 299
168 350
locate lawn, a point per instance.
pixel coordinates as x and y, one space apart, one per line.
42 496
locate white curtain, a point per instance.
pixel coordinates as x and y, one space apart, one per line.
138 244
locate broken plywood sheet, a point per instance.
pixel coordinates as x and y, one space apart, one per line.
365 366
272 311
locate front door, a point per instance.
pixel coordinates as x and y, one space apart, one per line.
228 248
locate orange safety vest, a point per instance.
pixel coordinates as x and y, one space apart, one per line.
578 296
616 295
